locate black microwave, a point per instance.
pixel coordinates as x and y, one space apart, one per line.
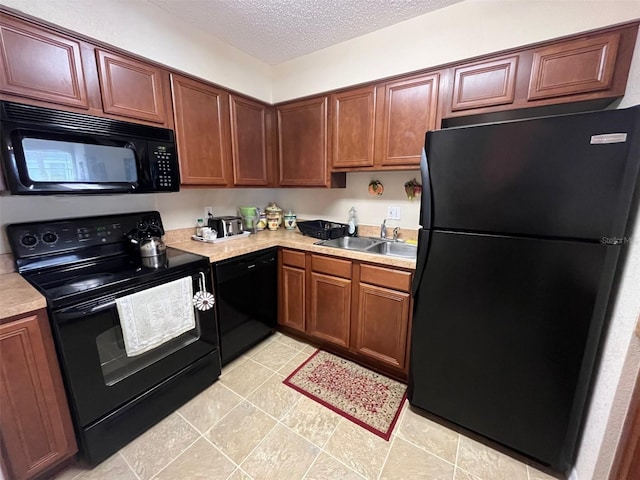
51 152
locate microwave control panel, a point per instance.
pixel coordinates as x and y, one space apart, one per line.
164 167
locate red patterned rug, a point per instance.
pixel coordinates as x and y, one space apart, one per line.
367 398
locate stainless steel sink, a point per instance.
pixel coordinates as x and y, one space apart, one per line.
351 243
394 249
374 245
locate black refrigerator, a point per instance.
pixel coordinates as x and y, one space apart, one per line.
524 225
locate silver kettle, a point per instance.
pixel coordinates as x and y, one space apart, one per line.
153 251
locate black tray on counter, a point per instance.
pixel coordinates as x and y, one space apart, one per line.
323 229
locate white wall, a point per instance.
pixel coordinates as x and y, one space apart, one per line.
462 30
459 31
620 364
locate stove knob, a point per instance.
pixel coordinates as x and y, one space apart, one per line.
29 240
49 237
142 225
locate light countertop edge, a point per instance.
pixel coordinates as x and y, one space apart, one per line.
18 297
287 239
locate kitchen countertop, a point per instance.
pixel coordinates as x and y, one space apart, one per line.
282 238
18 297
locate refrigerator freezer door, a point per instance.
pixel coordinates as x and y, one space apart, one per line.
505 333
564 176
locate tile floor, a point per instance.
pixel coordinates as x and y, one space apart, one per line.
249 425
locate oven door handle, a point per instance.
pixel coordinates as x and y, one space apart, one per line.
75 313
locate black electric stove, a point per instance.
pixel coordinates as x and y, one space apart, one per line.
72 260
83 266
86 278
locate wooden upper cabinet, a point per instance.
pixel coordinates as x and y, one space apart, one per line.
131 88
484 84
577 66
40 64
36 433
353 117
249 142
407 111
303 143
202 130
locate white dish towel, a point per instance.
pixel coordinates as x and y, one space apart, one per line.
154 316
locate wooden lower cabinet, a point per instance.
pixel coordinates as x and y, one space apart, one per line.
36 433
330 314
292 294
354 309
383 313
292 299
382 322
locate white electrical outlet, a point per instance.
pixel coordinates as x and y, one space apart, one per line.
207 211
393 213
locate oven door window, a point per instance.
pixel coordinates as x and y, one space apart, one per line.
70 162
117 366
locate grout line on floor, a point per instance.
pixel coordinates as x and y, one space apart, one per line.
429 451
473 475
176 457
258 386
340 461
223 454
244 472
393 440
299 350
189 423
304 475
257 445
135 474
296 352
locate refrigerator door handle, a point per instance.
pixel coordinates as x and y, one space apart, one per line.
426 204
421 261
425 220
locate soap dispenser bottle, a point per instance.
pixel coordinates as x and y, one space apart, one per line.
353 223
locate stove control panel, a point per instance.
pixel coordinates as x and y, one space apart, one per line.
59 236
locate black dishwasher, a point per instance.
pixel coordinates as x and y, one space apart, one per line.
247 301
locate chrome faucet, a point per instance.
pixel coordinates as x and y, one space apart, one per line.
383 229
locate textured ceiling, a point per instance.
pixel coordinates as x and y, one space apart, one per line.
275 31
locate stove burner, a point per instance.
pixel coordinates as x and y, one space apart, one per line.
89 281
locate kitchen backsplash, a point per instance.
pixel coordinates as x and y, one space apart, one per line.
180 210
